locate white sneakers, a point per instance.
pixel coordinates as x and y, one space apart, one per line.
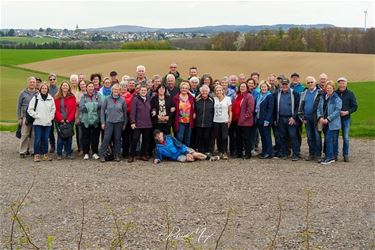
95 156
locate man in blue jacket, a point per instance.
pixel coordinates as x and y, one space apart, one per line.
349 106
169 147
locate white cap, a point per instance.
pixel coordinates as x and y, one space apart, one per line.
342 79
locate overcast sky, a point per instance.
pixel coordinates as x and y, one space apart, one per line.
173 14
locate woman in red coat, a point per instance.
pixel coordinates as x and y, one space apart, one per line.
243 117
66 106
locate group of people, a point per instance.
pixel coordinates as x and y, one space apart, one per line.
185 119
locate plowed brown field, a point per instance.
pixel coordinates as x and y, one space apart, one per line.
356 67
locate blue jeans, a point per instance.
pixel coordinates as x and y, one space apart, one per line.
286 131
314 139
63 143
41 134
183 133
332 141
345 127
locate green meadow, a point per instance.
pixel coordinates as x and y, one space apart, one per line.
13 80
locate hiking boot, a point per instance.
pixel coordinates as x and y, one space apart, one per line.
36 158
117 159
70 157
131 159
59 157
224 156
346 158
46 158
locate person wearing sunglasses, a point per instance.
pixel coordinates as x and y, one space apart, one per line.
307 113
53 89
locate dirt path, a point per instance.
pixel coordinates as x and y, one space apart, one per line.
198 196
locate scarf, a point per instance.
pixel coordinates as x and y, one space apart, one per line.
106 91
260 99
44 96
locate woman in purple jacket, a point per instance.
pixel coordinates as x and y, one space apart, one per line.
140 120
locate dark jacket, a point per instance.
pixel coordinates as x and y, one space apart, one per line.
295 104
204 112
155 107
266 110
349 102
301 108
247 111
140 112
176 100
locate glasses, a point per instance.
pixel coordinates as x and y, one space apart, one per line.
52 79
173 67
309 82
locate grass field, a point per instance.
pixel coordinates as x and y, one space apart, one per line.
36 40
16 57
13 77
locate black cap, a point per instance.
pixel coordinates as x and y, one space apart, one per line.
38 79
156 132
294 74
285 81
113 73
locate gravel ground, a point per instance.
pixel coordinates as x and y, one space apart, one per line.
196 197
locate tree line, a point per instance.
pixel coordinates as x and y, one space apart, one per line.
342 40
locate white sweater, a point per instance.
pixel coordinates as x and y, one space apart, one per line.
45 110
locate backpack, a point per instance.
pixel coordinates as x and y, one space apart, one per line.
29 119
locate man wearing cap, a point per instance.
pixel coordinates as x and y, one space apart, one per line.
169 147
113 76
296 84
285 114
349 106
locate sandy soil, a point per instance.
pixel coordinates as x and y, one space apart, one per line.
198 196
356 67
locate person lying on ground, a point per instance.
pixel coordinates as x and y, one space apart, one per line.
169 147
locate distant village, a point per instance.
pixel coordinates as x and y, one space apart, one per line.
95 35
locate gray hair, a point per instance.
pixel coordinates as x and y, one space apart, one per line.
31 78
204 87
171 76
141 67
194 79
74 76
312 78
